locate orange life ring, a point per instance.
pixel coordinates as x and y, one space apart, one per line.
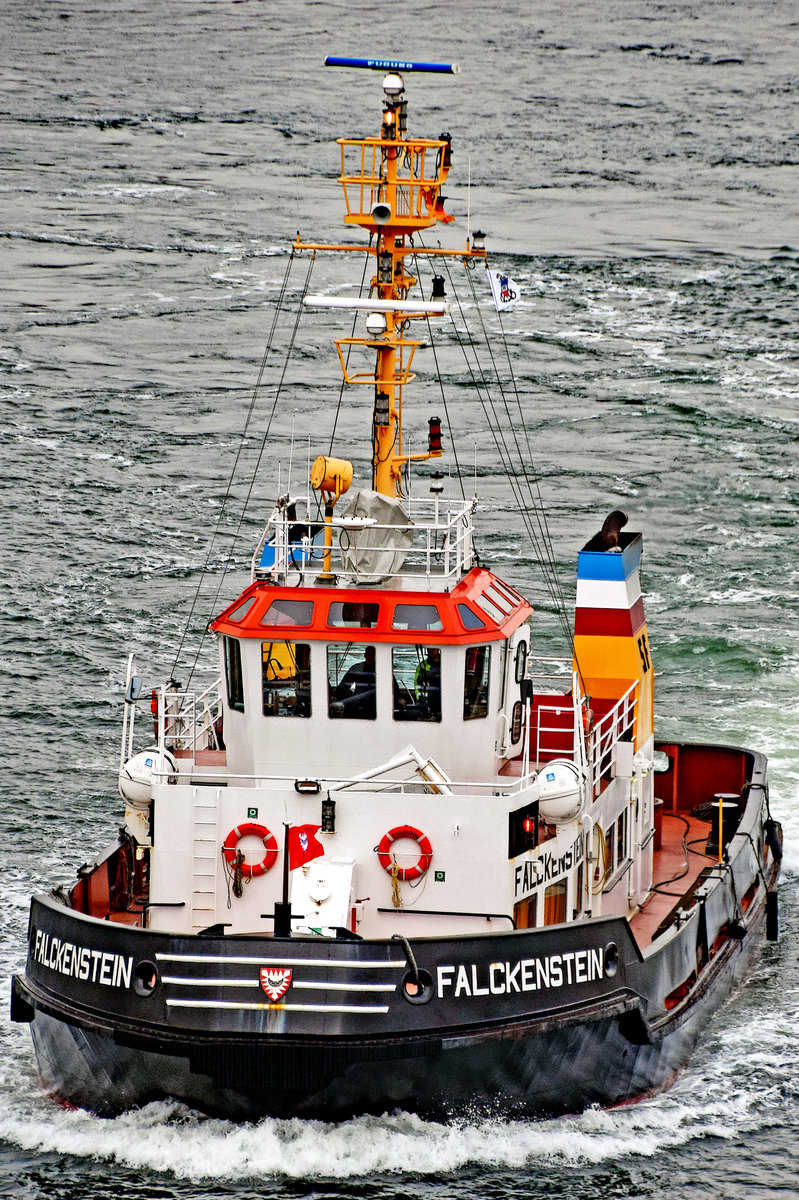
249 830
416 835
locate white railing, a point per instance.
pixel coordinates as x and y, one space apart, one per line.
499 787
615 724
440 532
187 721
550 712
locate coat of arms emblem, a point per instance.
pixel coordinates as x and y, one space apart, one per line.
275 981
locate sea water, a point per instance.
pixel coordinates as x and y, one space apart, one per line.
634 166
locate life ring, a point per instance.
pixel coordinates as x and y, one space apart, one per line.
416 835
249 830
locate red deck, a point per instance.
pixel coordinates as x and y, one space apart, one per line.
682 863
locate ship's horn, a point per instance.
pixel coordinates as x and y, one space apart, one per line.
381 212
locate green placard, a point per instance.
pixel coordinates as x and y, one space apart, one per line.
439 876
252 812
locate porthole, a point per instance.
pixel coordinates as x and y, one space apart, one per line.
417 987
145 978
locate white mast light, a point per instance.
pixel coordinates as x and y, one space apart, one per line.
375 324
393 85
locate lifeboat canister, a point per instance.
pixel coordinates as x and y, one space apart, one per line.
136 777
561 791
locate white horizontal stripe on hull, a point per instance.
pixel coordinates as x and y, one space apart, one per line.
319 985
319 1008
394 964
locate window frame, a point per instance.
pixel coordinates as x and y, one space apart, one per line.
477 710
234 674
296 686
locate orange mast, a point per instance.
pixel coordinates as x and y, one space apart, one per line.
392 188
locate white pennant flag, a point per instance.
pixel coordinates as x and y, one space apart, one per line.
504 290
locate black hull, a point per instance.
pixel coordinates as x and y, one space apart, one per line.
602 1051
559 1071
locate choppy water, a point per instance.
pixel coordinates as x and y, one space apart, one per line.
635 167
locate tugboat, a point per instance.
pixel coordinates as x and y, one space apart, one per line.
395 857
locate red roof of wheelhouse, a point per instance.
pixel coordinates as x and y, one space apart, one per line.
481 607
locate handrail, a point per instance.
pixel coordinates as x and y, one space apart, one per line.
441 533
187 720
495 787
618 721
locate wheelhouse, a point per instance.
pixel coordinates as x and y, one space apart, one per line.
313 672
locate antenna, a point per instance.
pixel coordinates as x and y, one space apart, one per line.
291 449
469 202
393 64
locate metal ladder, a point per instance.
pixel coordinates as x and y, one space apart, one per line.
205 860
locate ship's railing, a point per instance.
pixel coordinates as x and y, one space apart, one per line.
510 786
190 721
616 724
563 725
554 726
413 192
434 546
555 715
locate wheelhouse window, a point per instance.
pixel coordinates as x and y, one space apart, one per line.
288 612
241 611
469 618
490 608
233 674
416 672
286 679
502 601
351 683
417 616
357 613
476 681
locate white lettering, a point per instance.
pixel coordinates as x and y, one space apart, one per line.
79 962
497 989
477 991
510 977
125 971
444 979
462 983
502 978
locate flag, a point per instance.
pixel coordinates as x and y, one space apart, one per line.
303 845
504 290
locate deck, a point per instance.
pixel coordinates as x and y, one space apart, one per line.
679 857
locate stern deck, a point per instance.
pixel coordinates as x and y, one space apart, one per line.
680 860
